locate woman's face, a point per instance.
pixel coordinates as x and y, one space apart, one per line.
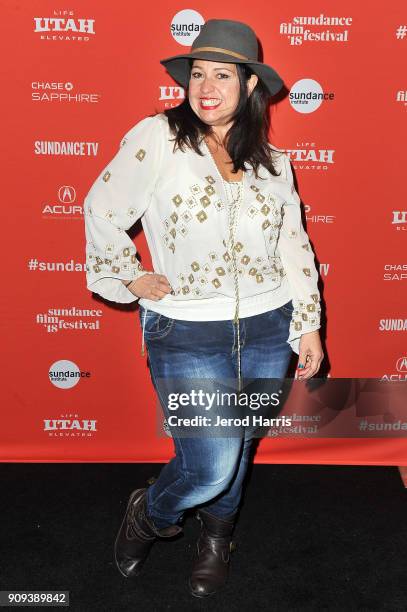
214 91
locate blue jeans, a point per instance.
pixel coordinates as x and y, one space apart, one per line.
210 471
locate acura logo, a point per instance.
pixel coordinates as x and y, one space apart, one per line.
401 364
66 194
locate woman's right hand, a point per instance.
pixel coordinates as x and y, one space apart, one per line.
150 286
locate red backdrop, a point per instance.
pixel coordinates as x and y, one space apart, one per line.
76 79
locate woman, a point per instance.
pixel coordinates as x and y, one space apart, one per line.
234 288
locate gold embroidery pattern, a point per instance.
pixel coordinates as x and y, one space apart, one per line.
186 216
191 202
252 212
271 210
200 196
306 313
124 262
215 270
140 155
202 274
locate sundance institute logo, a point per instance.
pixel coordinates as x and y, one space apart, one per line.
185 26
307 95
65 374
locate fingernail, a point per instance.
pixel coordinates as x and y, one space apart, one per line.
300 365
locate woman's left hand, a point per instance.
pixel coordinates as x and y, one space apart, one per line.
311 355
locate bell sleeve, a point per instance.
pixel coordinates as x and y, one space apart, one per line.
297 258
116 200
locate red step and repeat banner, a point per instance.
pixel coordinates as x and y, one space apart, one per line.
76 78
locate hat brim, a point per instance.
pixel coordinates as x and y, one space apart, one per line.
178 67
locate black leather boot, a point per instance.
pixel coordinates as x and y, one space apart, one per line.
136 535
210 569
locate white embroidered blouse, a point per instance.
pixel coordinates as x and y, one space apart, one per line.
181 200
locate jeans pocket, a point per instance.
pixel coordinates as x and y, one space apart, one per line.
156 326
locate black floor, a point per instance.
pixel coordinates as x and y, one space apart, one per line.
308 538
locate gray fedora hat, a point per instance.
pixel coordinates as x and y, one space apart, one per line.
224 40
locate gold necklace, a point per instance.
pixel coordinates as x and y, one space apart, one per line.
233 208
233 217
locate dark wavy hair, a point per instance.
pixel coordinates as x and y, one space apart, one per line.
247 139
